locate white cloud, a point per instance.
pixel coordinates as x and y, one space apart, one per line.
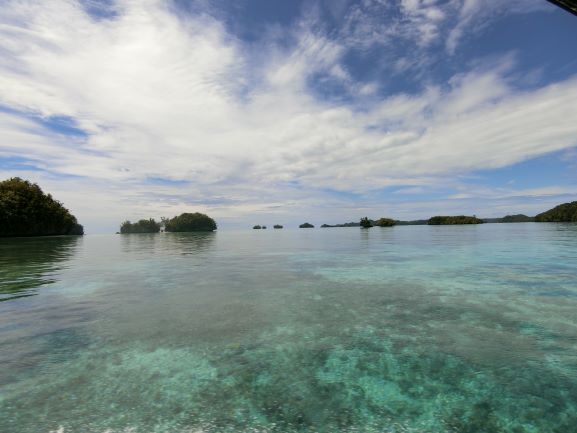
178 98
426 18
475 16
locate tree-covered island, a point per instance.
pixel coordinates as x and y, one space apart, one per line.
365 223
385 222
306 226
142 226
453 220
190 222
566 212
186 222
25 210
518 218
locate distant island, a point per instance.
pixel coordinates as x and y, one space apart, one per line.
439 220
190 222
518 218
412 223
566 212
186 222
25 210
453 220
351 224
142 226
365 223
385 222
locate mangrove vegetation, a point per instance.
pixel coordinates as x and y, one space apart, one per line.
25 210
190 222
385 222
365 223
453 220
142 226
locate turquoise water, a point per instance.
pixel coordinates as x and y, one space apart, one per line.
405 329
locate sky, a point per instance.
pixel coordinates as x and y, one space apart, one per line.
281 112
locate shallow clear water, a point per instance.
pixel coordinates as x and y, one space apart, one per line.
404 329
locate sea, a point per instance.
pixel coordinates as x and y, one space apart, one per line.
453 329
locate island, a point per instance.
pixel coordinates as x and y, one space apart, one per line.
277 226
412 223
141 226
190 222
566 212
518 218
453 220
351 224
365 223
25 210
306 226
257 227
385 222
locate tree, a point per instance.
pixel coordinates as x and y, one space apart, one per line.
453 220
142 226
190 222
366 223
566 212
385 222
25 210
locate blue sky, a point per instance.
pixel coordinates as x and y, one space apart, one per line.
260 111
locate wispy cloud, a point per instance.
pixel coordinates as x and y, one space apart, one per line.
475 16
236 125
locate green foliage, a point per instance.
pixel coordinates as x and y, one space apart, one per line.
566 212
190 222
306 226
412 223
26 211
450 220
142 226
518 218
385 222
366 223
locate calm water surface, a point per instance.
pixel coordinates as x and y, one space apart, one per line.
406 329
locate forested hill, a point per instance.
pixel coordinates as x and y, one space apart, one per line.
25 210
